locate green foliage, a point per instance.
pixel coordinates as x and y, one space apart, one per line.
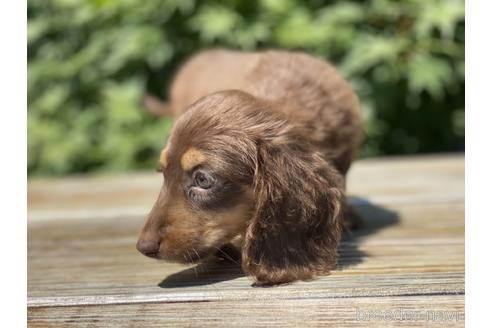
90 61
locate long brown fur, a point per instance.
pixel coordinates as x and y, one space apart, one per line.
279 130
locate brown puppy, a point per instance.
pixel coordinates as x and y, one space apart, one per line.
257 157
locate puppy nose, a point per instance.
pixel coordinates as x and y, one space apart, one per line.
148 247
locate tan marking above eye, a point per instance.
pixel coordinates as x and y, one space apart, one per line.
191 158
163 158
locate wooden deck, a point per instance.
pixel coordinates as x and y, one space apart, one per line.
405 268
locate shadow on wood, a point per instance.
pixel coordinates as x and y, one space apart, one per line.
371 218
210 271
374 217
226 266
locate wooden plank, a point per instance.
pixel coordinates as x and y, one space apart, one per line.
83 268
98 262
381 181
444 310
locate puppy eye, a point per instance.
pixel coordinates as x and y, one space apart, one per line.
203 179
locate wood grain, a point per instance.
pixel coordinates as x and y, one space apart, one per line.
83 268
444 311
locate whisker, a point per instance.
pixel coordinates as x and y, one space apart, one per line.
189 259
197 256
205 271
186 256
227 255
194 267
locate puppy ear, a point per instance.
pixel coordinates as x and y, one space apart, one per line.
297 222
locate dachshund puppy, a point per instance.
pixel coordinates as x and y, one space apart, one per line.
257 157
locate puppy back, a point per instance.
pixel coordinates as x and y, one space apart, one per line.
308 90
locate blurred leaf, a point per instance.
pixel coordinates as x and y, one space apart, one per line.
134 43
342 12
370 50
458 122
120 101
49 102
299 30
430 74
389 9
441 14
214 22
280 7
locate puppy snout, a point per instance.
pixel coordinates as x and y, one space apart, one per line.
149 247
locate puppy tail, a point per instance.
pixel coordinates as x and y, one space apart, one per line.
156 106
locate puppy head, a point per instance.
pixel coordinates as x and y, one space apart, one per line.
234 167
207 197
